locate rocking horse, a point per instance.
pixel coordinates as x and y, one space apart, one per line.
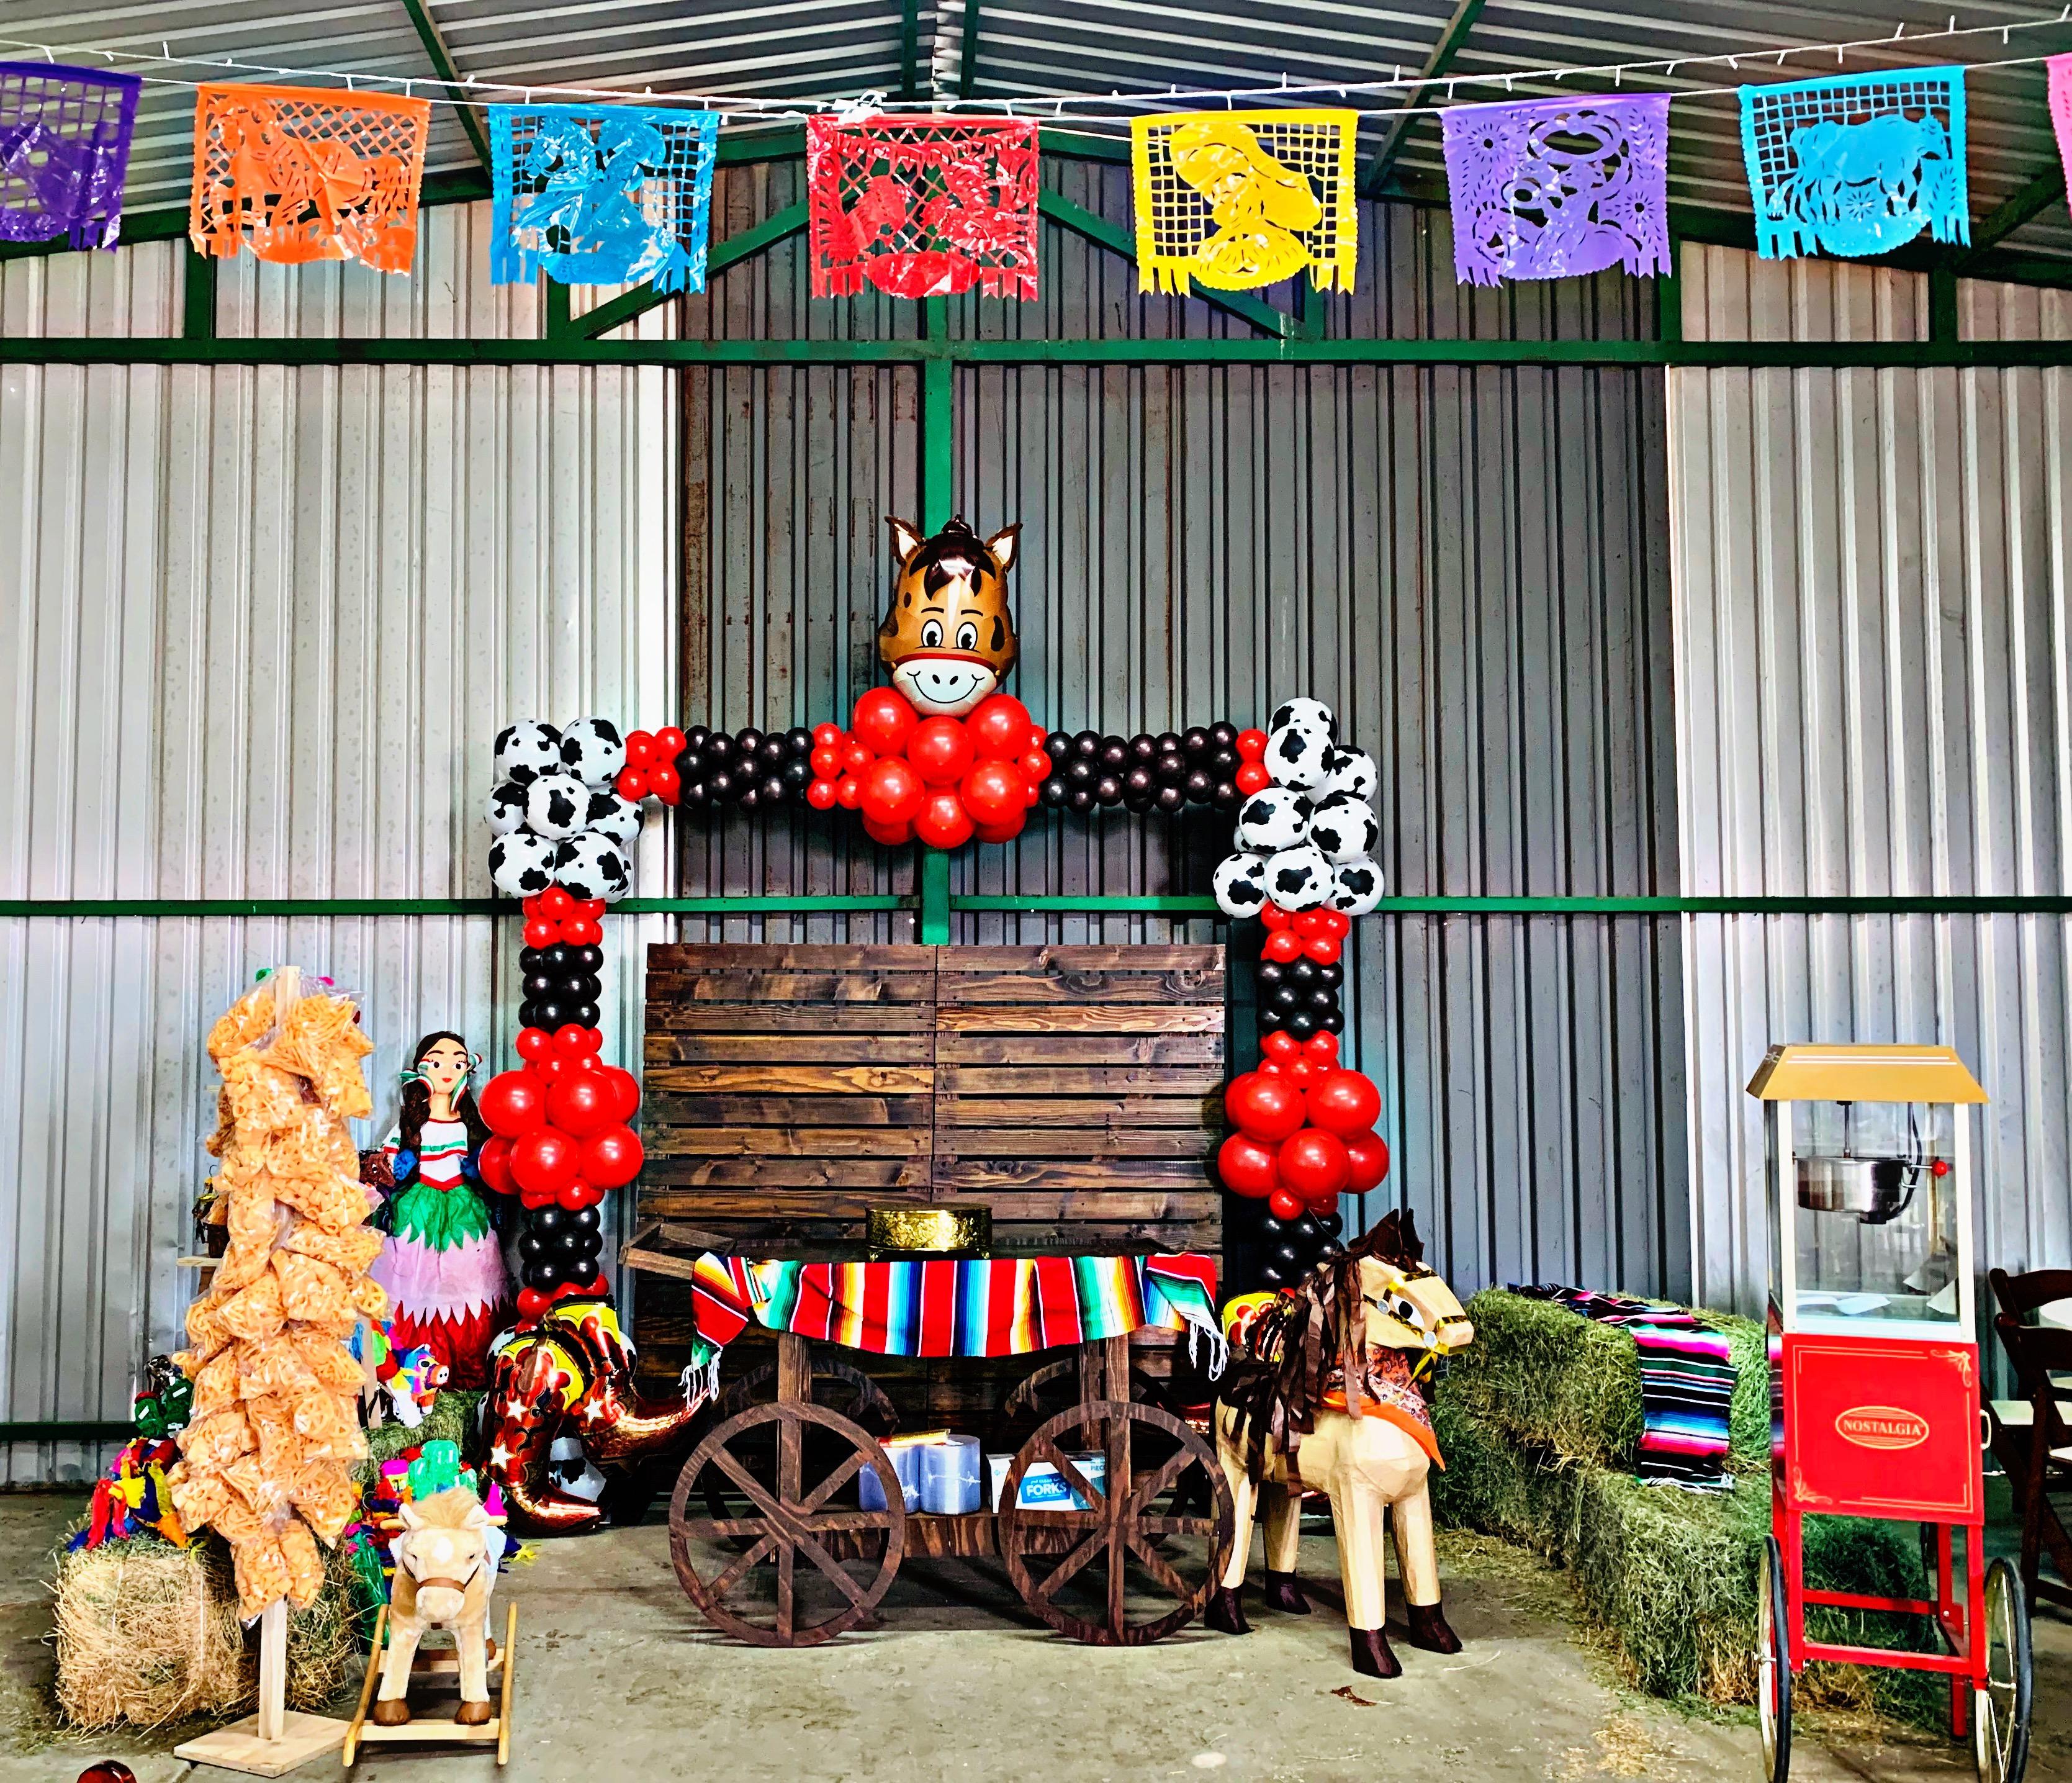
1322 1390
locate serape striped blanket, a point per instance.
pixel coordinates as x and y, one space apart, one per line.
1686 1384
1005 1306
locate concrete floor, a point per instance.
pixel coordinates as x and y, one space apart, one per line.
618 1678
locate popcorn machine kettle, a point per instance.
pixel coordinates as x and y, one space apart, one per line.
1874 1376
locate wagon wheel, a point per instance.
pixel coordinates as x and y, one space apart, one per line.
1027 1399
785 1522
1773 1664
1124 1529
2000 1705
842 1389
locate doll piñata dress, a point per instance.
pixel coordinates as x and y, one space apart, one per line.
441 1263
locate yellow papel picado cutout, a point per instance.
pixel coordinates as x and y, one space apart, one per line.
1237 200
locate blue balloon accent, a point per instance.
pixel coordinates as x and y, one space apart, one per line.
621 195
1857 166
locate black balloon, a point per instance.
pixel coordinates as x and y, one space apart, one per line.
748 739
1273 1277
1223 734
1224 795
549 1218
1222 762
532 1247
1271 972
1083 798
1322 1001
1136 802
1284 997
1115 753
558 957
1302 972
591 957
1169 743
1139 781
696 794
528 1015
1170 769
719 747
1331 1224
1057 746
1288 1257
1086 744
748 800
1143 747
1054 792
1080 771
800 740
695 739
773 790
1172 799
586 1217
586 1015
1108 789
1199 786
551 1015
1334 1023
1195 741
1301 1024
540 984
720 786
529 958
798 774
1306 1227
1331 975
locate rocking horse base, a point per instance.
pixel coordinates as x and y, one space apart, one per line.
1372 1656
1283 1592
488 1723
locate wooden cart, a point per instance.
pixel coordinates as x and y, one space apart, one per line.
768 1504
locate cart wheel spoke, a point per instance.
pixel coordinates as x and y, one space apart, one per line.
751 1556
753 1488
1177 1525
1154 1562
1073 1564
1067 1470
1154 1484
853 1465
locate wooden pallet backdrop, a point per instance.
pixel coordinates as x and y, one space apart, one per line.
1077 1091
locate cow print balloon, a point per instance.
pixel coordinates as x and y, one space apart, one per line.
506 809
1273 817
1352 772
1356 888
556 807
1297 754
526 750
522 864
1308 714
590 866
1343 828
1240 885
593 750
1298 878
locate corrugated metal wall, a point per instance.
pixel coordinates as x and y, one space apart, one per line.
1874 693
1471 566
268 623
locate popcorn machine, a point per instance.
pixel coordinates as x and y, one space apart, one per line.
1874 1376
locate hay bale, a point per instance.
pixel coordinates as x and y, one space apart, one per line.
147 1635
1552 1378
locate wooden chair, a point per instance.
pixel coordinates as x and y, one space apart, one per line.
2031 1436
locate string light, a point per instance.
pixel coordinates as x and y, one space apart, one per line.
747 109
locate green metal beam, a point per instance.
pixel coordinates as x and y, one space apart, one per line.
65 1429
968 58
287 351
1105 234
910 49
1451 41
197 295
2034 198
745 245
436 53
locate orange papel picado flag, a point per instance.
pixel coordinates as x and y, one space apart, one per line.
304 173
1237 200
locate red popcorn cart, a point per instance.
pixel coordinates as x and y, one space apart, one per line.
1874 1376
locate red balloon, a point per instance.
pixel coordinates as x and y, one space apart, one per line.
539 932
1002 832
940 752
1251 745
1368 1157
1282 945
826 762
1274 917
543 1159
856 758
1344 1102
1268 1109
581 1103
640 748
1250 777
1037 737
1304 923
532 1303
107 1770
632 782
1338 923
578 1194
1246 1166
994 792
1323 950
891 834
820 795
513 1103
549 1068
944 823
665 784
1035 765
625 1089
892 794
1283 1206
848 792
670 743
882 720
1273 1068
532 1044
1314 1164
828 736
1321 1047
583 932
555 903
571 1039
493 1164
999 726
1300 1071
1279 1043
613 1157
592 908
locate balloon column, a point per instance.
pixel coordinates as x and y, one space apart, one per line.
1304 866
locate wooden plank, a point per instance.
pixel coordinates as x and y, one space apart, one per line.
994 990
683 1018
1110 1111
1123 1018
957 961
720 1204
868 1079
1112 1238
784 1049
977 1174
1098 1141
796 1142
1105 1050
710 955
1158 1080
814 988
675 1110
776 1173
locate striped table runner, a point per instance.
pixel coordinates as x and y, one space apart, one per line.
1006 1306
1686 1383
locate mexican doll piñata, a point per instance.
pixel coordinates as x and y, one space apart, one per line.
441 1264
